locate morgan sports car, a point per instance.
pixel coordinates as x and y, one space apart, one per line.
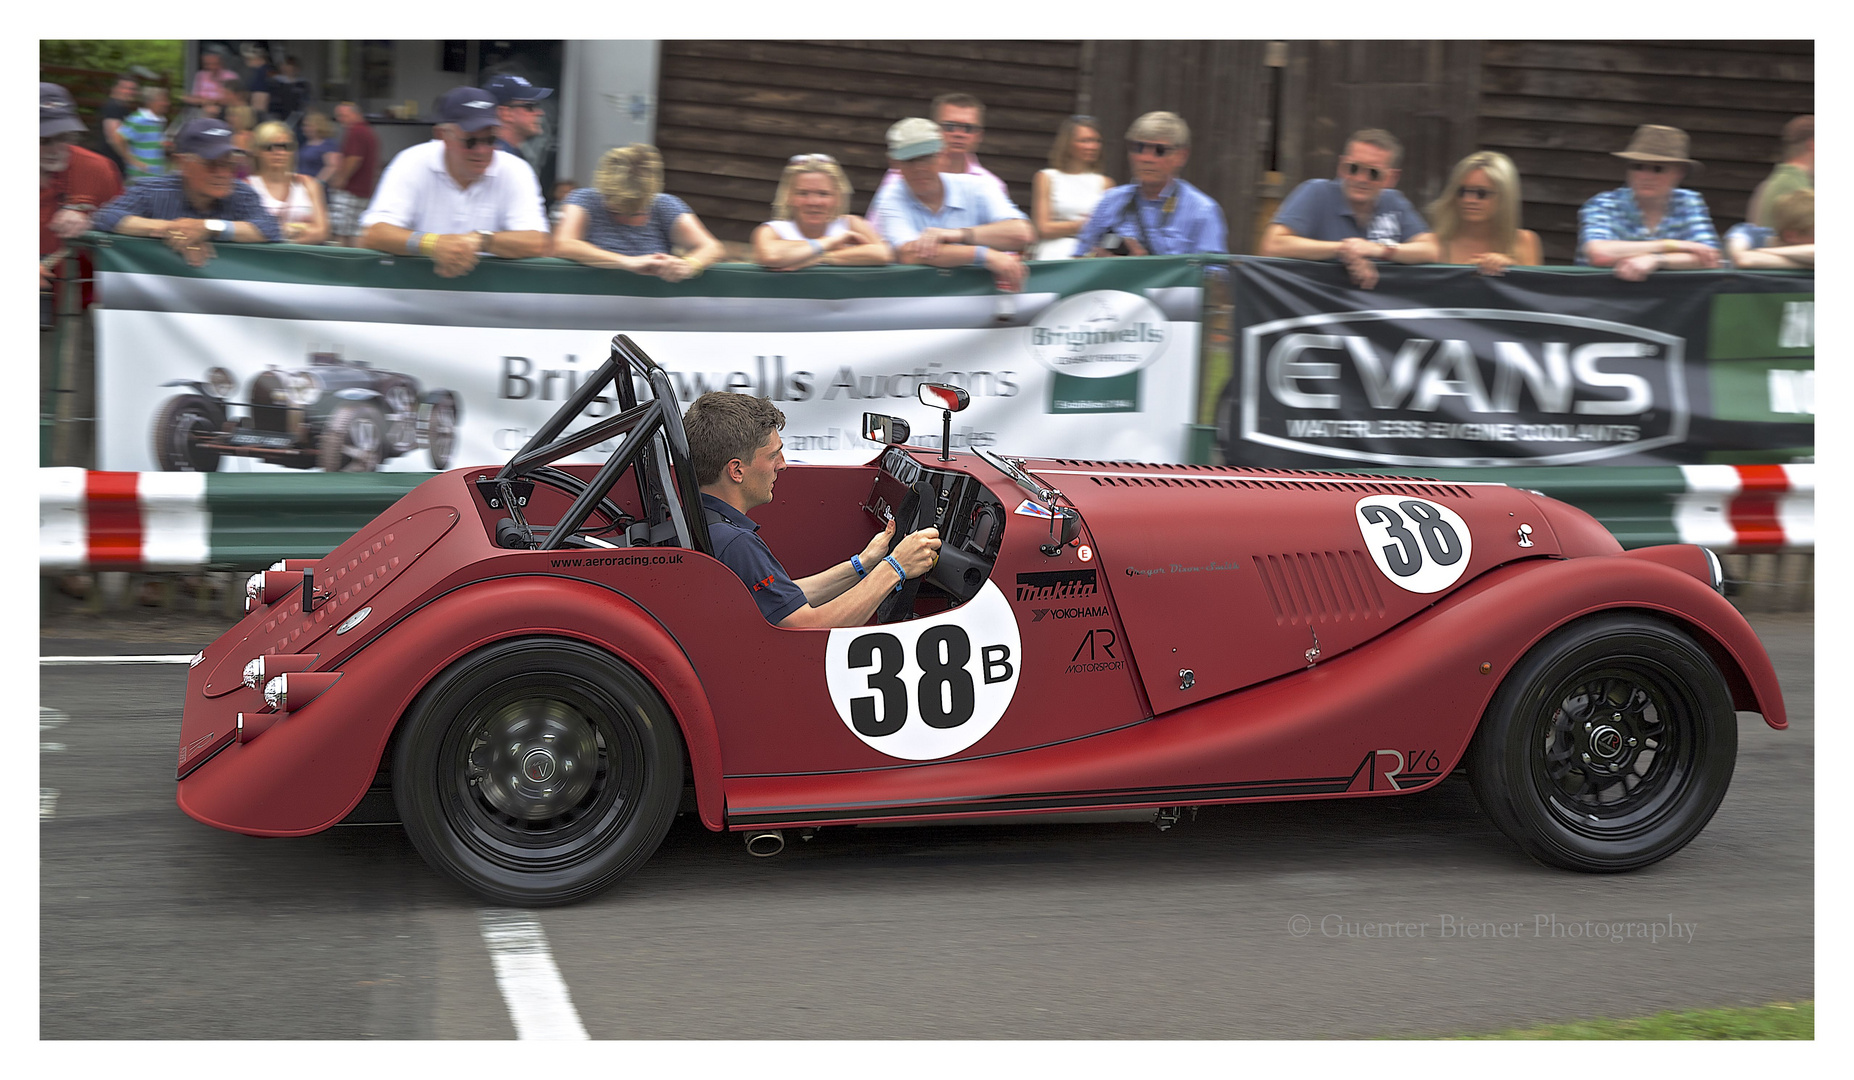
335 415
536 667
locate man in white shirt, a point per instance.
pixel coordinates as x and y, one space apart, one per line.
947 219
457 197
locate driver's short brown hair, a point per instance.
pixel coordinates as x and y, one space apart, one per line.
722 426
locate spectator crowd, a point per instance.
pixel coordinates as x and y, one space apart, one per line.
252 164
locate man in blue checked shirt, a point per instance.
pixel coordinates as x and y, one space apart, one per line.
1157 214
200 202
1653 223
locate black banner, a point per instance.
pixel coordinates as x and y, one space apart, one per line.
1446 367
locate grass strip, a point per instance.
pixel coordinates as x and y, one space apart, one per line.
1782 1020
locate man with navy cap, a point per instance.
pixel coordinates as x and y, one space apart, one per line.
456 197
201 201
518 110
73 181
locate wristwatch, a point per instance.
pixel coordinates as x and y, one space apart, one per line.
485 235
217 227
1390 248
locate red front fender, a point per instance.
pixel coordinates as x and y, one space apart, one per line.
307 772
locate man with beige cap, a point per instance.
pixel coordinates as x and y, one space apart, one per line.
947 219
1653 223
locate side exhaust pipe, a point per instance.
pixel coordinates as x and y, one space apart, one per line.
766 843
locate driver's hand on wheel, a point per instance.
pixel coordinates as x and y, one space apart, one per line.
878 545
918 552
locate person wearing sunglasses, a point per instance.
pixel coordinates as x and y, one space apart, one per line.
1652 223
1477 216
626 221
962 128
811 221
1356 217
1158 213
197 205
293 199
519 109
947 219
456 198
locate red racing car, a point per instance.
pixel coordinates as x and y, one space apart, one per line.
536 667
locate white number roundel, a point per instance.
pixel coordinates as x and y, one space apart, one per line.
1419 545
927 688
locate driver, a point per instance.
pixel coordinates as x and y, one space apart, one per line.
735 447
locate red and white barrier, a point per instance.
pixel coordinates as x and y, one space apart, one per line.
1747 507
122 520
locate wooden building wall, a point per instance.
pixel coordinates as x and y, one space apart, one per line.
1264 115
1560 109
732 112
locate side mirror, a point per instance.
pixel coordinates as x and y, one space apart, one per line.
1066 532
941 396
887 430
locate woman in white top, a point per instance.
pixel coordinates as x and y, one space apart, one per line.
812 225
1062 196
293 199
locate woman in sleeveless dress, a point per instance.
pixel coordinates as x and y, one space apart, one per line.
811 223
1062 196
293 199
1476 218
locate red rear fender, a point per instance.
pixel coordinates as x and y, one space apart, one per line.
308 772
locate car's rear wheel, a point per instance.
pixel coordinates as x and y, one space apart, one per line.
538 771
1608 747
441 434
181 418
354 440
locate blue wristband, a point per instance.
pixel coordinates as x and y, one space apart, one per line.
413 241
856 564
890 560
978 255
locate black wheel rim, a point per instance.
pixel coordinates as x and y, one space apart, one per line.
361 447
1615 747
181 449
540 772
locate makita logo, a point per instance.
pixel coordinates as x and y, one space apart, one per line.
1039 614
1389 386
1057 585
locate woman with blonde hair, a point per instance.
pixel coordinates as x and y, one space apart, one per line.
293 199
811 221
624 221
1476 218
1063 195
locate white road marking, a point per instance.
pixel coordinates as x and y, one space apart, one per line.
115 659
49 718
537 996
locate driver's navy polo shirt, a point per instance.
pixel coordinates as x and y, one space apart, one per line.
737 542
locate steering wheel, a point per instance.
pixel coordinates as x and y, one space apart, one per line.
920 501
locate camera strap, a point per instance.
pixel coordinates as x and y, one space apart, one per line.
1167 209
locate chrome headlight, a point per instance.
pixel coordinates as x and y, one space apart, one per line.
220 381
305 389
1717 569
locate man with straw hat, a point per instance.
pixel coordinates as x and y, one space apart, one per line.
1653 223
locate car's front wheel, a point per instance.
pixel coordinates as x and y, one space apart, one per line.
183 418
1608 747
353 440
538 771
441 434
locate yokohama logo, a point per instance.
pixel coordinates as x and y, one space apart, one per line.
1057 585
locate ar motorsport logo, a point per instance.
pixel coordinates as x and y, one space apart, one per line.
1410 387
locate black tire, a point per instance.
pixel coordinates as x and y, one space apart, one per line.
353 440
180 418
441 433
1608 747
469 754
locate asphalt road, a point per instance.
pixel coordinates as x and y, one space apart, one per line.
1309 920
